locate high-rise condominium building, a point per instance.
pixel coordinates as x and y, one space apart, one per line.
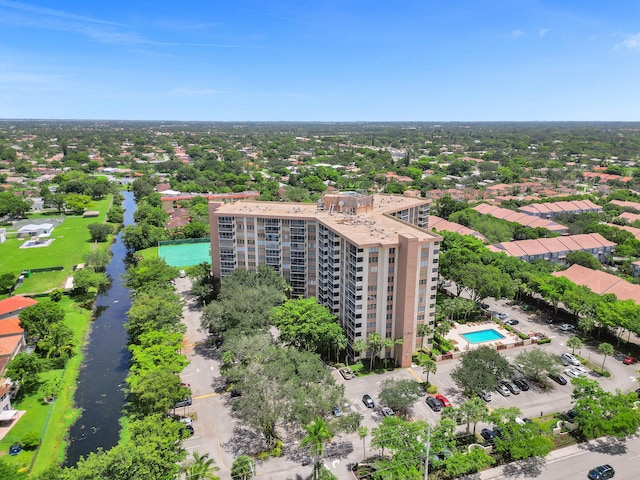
368 258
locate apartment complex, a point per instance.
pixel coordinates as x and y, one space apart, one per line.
556 249
551 209
368 258
521 218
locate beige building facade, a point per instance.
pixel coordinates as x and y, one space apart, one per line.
368 258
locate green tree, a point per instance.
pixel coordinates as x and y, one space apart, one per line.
522 441
77 203
423 331
150 274
155 392
243 468
536 361
156 310
7 282
307 325
99 231
399 395
37 319
58 342
25 369
201 467
317 434
429 365
480 369
583 258
362 433
462 463
87 278
473 411
607 350
574 343
375 344
98 260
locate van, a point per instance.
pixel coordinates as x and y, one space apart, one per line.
182 273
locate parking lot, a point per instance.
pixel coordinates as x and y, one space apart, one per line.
214 426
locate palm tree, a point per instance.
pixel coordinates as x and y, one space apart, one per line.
606 349
201 467
375 343
360 346
362 433
574 343
429 365
243 468
317 434
424 330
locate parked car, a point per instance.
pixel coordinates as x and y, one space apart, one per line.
488 435
571 359
486 396
556 377
498 432
521 383
15 448
629 360
368 401
512 387
512 322
336 411
182 273
484 306
184 403
501 315
387 412
603 472
444 400
188 431
567 327
572 373
638 392
502 390
434 404
564 360
346 373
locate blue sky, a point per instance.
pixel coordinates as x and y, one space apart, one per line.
323 60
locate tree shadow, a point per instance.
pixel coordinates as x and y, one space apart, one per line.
244 441
608 446
207 350
527 468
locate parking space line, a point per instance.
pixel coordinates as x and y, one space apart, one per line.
206 395
414 374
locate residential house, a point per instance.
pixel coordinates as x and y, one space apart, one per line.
521 218
601 282
11 307
551 209
440 224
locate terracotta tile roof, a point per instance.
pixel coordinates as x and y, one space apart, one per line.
15 304
9 345
630 217
623 203
521 218
10 326
440 224
554 208
556 245
601 282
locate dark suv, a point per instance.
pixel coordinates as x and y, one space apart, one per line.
521 383
603 472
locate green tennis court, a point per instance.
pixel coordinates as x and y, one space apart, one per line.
186 254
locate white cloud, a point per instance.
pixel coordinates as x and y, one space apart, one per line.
632 42
543 31
517 33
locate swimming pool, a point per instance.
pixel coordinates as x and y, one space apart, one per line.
482 336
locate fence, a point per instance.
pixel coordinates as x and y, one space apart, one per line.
183 241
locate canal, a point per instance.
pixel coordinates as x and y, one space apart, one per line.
101 381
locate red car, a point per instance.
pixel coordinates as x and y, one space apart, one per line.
445 401
629 360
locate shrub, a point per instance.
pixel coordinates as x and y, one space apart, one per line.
56 295
30 440
543 340
276 452
431 389
523 336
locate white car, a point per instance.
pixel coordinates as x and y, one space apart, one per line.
571 359
501 315
570 372
567 327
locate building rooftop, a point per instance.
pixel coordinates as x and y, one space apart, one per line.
554 208
15 303
601 282
440 224
518 217
543 246
10 326
369 227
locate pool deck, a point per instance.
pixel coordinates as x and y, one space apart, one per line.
455 335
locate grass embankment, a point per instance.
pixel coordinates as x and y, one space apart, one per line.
150 253
51 421
71 244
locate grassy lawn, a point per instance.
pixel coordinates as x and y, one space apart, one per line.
150 253
70 246
51 420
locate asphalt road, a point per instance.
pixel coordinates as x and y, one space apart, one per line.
218 434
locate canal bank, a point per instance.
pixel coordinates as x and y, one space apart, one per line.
100 390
